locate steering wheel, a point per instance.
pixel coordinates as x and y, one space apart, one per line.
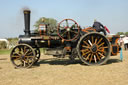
68 29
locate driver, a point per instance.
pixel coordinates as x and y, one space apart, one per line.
99 27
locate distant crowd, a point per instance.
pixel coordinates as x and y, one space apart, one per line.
124 41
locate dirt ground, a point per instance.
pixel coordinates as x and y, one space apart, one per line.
53 71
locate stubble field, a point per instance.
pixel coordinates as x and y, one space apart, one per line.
53 71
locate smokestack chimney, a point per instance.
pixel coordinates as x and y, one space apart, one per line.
27 22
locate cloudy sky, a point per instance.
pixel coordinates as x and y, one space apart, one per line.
112 13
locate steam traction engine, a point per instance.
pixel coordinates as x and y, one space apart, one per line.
91 47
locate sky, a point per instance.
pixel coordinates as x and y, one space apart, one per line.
111 13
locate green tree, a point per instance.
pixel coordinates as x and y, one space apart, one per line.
50 21
126 33
120 33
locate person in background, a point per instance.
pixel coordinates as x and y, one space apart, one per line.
125 41
121 41
99 27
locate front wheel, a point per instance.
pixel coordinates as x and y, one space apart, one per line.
22 56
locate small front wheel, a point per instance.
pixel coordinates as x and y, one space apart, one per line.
22 56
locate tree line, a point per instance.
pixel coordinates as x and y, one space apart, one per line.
122 33
49 21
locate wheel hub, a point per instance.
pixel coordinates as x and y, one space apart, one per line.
23 56
94 48
68 29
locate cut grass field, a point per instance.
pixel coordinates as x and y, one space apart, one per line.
5 51
53 71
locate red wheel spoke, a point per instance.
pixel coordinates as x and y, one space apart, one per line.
85 46
87 57
84 50
95 40
86 43
86 53
103 47
97 56
90 58
101 44
100 40
101 51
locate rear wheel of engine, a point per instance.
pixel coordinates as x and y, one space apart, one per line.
22 56
93 49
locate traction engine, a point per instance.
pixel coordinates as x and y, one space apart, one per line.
68 39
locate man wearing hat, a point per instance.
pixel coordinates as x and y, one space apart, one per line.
99 27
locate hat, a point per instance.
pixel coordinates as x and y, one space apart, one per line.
43 19
95 20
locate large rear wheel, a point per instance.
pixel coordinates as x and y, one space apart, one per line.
93 49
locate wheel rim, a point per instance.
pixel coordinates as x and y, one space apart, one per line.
37 52
70 31
23 56
94 49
